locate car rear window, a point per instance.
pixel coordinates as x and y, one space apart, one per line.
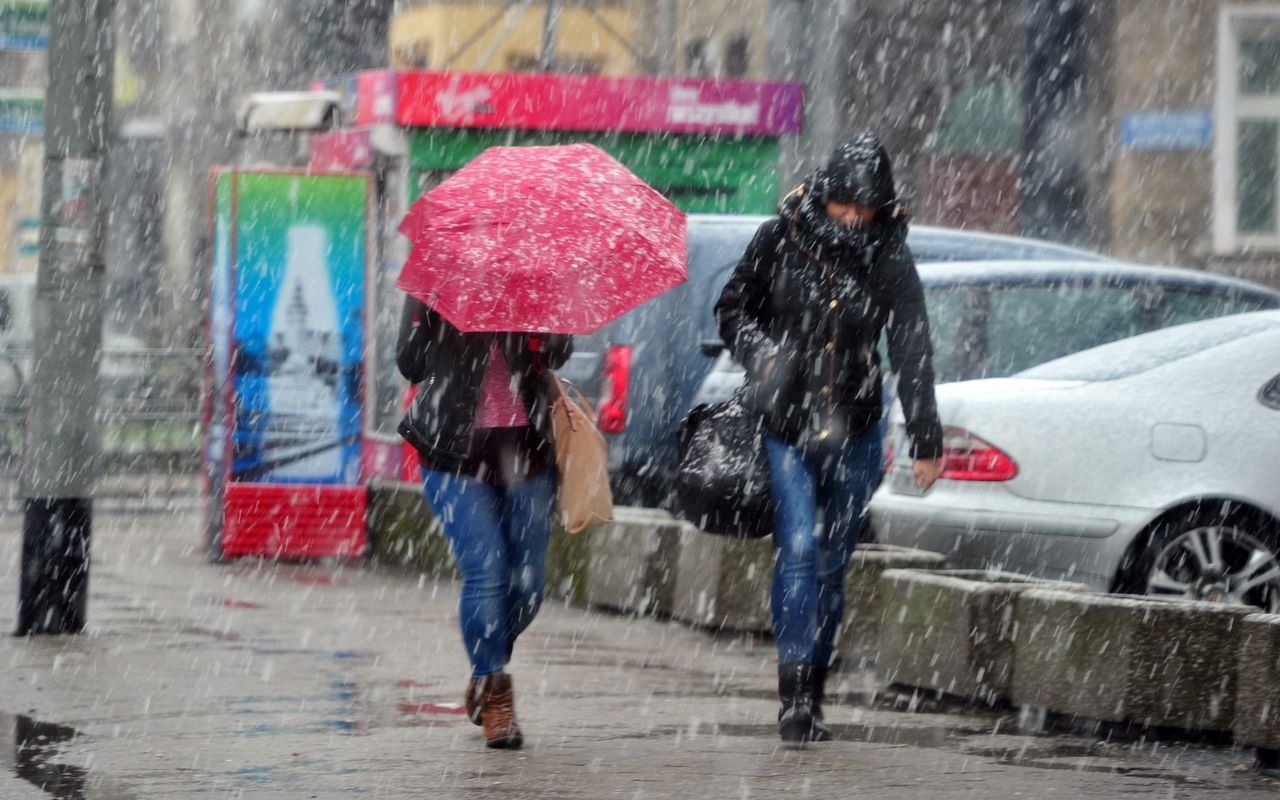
1149 351
1032 324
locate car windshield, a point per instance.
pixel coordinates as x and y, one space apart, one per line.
1142 353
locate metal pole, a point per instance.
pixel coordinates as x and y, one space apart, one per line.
547 59
61 447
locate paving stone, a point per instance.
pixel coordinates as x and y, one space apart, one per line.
1258 692
1143 660
952 630
632 561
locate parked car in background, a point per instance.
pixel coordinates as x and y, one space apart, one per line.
1147 465
646 366
991 319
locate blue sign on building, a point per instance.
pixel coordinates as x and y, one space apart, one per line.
1166 130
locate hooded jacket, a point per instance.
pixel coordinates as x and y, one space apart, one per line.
450 366
806 305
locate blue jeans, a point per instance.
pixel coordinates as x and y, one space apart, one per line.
499 540
821 493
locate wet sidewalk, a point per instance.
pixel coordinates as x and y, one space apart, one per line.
324 681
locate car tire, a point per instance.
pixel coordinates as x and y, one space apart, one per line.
1213 554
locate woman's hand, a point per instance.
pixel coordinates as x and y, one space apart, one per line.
925 471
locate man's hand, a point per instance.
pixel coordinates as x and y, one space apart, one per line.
926 472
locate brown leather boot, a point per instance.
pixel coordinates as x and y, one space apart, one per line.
471 701
497 711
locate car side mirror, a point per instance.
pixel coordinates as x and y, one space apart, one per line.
712 347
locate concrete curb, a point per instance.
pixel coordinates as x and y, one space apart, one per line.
1116 658
864 615
1257 722
726 584
723 583
953 630
402 531
632 562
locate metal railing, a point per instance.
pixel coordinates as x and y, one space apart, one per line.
150 415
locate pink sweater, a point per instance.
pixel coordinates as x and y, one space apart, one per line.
500 403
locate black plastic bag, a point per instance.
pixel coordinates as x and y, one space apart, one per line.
722 478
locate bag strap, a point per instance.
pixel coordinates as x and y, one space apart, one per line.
561 394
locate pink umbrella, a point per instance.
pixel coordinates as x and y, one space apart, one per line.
541 239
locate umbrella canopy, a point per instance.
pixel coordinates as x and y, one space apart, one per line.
541 239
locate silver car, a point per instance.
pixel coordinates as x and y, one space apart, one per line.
1148 465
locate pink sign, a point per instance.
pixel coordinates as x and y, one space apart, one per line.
368 98
594 103
342 150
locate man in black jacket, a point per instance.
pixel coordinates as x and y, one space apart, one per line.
804 311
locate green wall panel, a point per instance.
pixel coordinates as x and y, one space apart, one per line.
699 173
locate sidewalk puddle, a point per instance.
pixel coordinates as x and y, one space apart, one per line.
34 743
1046 752
27 749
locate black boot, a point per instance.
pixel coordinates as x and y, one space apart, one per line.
795 690
821 731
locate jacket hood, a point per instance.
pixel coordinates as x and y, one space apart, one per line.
858 171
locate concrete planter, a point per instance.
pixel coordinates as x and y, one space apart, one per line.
864 614
1117 658
952 630
403 532
1258 691
724 583
569 565
632 561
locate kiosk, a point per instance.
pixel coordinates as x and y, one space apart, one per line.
304 395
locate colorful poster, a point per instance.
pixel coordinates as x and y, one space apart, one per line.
298 278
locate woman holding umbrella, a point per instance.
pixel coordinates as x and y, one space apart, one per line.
803 312
511 255
487 470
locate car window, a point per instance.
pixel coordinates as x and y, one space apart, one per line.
714 250
1031 324
1151 350
1188 304
959 346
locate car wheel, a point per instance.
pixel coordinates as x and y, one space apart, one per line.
1210 556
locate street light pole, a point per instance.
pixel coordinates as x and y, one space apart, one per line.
61 447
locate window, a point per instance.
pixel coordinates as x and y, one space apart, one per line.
1029 325
1185 304
1149 351
956 327
698 61
1247 135
737 57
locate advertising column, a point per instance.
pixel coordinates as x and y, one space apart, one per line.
287 393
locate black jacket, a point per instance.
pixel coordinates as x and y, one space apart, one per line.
803 312
450 365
